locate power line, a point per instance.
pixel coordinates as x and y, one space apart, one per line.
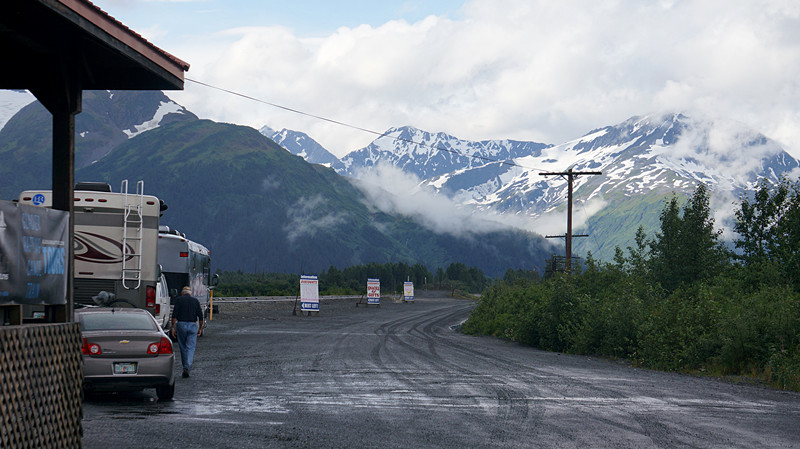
359 128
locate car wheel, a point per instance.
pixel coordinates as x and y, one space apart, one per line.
166 392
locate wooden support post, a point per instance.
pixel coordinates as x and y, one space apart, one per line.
570 176
11 314
63 99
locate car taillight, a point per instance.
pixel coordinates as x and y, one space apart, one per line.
158 309
91 348
162 347
166 346
151 297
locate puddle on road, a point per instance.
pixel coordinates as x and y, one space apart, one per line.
247 403
129 405
142 406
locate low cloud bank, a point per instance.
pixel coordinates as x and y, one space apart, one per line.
390 190
306 217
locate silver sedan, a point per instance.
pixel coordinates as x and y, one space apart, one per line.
125 349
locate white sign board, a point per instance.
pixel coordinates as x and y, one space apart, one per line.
309 293
408 291
373 291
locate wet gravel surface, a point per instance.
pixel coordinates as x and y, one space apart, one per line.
400 376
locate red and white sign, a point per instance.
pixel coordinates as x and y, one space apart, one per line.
373 291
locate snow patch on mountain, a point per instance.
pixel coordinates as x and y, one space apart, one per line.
301 144
11 101
427 155
164 108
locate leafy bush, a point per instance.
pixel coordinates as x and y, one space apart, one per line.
675 302
784 369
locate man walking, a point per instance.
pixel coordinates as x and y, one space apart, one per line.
185 315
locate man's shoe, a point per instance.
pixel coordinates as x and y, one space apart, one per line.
185 373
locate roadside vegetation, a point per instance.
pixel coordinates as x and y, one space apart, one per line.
457 278
679 300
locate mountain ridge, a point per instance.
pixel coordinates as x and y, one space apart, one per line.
644 159
256 206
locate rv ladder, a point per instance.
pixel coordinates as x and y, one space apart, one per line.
132 237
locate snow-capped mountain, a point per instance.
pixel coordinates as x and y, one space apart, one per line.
300 144
108 119
643 155
428 154
643 160
112 117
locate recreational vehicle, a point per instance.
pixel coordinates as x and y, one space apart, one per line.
115 245
185 263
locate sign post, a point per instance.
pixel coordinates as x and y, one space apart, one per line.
374 292
408 292
309 294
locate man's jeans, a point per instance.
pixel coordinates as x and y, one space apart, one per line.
187 339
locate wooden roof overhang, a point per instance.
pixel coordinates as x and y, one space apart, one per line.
58 48
47 43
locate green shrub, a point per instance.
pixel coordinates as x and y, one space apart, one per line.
783 369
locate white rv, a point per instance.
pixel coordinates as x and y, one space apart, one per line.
116 245
185 263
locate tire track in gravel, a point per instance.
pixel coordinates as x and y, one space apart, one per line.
514 408
511 408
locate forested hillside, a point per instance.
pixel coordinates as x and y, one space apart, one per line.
260 209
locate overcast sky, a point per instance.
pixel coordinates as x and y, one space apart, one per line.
547 71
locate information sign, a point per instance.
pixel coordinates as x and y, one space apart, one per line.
309 293
373 291
408 291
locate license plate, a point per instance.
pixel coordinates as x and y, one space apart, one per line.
125 368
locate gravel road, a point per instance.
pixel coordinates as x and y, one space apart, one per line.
400 376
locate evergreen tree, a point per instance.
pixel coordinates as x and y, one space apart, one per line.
757 222
687 249
769 230
666 249
705 255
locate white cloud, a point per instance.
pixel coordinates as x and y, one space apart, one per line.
724 146
521 69
390 190
305 218
270 183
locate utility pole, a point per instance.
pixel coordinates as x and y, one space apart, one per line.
570 175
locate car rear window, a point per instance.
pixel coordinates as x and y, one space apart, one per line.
117 321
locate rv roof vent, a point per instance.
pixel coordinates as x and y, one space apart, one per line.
163 229
93 186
